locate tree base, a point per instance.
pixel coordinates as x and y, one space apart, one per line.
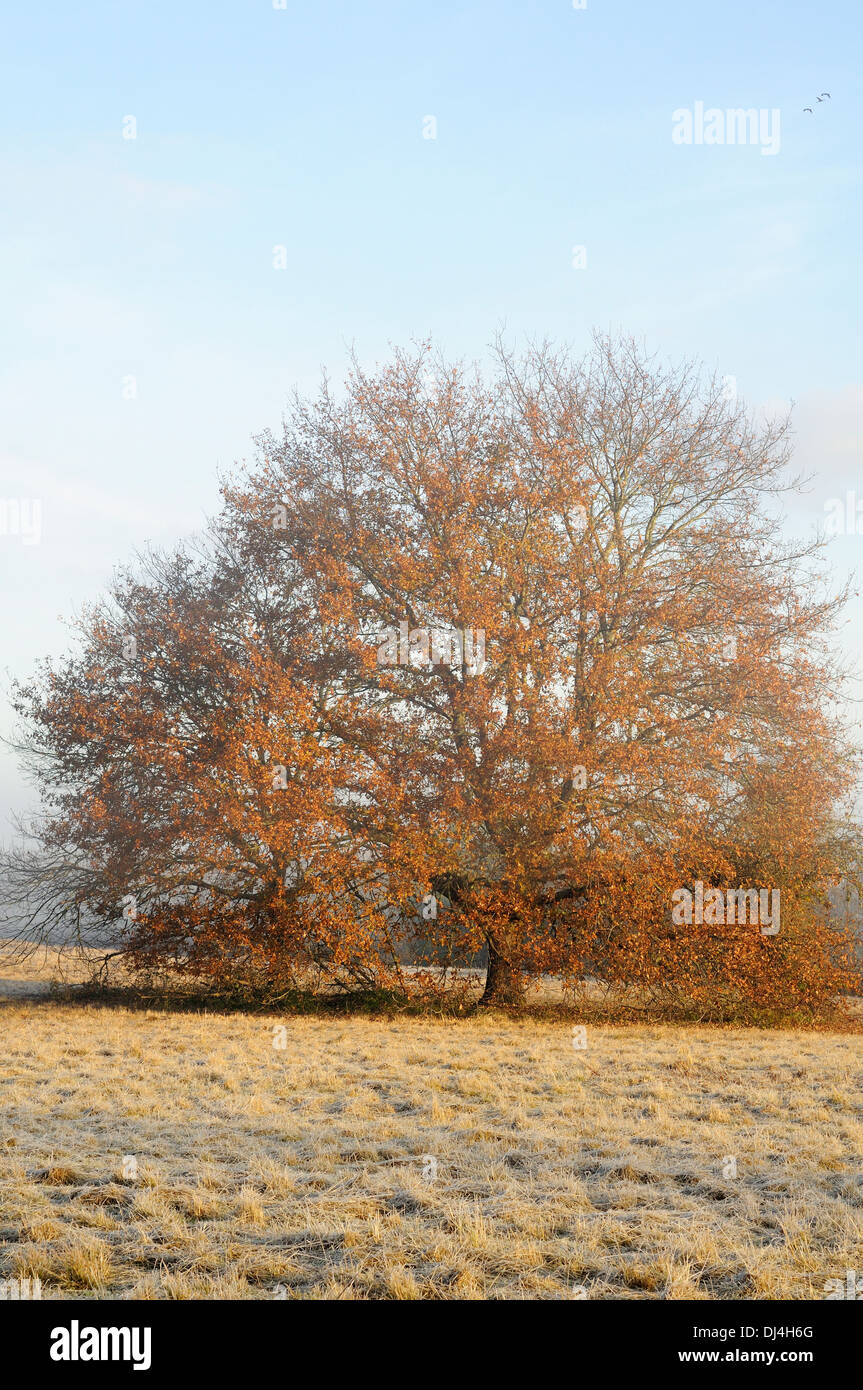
504 985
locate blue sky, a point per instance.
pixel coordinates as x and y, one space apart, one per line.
303 127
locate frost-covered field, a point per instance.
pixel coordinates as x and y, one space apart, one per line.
154 1155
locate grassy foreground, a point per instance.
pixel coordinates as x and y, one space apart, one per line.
487 1157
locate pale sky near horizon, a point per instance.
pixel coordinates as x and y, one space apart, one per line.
303 127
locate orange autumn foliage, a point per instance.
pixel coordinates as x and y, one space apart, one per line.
471 667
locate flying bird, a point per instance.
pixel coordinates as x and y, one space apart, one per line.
809 109
823 95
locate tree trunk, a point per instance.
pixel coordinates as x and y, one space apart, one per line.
503 981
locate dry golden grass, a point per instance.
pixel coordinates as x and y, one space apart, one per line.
312 1168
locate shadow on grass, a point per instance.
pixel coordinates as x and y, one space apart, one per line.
390 1004
363 1002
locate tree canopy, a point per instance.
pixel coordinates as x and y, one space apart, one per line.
466 665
